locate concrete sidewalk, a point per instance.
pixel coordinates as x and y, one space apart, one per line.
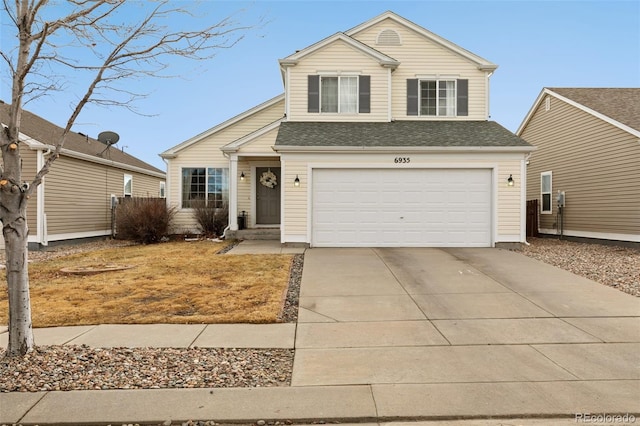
396 334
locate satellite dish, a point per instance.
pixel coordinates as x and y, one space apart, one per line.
108 138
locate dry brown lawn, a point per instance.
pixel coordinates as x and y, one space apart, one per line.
176 282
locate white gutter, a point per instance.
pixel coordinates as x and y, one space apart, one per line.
98 160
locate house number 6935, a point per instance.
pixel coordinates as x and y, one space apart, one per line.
402 160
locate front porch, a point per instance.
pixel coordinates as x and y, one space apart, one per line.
255 196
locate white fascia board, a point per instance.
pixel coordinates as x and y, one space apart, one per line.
39 146
430 149
482 63
239 143
533 108
383 59
173 152
597 114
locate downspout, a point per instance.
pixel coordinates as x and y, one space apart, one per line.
41 218
488 106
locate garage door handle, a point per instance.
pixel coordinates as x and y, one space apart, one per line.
401 217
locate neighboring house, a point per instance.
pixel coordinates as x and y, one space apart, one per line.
588 147
381 138
74 200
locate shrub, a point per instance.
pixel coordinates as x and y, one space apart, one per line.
212 221
144 220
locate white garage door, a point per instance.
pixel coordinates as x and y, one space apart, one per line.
401 208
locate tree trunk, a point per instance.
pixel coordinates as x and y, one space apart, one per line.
16 233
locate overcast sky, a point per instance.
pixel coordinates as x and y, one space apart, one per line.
535 44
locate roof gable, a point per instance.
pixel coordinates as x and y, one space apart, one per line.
619 107
173 152
382 59
480 62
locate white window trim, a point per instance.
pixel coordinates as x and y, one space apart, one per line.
163 190
124 189
550 192
206 182
339 75
438 79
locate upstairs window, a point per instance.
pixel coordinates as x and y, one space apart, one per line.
438 97
208 185
339 94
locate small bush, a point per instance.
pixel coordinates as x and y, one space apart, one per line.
144 220
212 221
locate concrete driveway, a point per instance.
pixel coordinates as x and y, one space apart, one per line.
466 332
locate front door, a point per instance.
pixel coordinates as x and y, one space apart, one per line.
268 195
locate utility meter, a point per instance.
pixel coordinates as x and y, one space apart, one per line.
560 198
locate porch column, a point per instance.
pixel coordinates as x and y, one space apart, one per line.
233 192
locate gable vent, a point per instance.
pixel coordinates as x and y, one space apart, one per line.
388 38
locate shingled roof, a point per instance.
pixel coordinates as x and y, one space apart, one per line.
48 133
620 104
397 134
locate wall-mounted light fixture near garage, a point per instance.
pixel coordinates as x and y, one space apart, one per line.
242 176
296 181
510 181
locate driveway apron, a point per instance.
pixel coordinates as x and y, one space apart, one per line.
415 318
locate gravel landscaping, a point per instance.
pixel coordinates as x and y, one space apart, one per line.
617 267
63 368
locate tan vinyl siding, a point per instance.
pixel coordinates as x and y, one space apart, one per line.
295 211
78 195
419 56
262 144
206 153
509 206
338 57
244 187
594 162
509 198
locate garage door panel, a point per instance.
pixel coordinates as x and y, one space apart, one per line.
410 207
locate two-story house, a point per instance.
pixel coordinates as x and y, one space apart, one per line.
381 138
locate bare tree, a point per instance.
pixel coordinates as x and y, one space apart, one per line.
115 48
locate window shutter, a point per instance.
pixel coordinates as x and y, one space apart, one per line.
364 97
313 93
412 96
463 97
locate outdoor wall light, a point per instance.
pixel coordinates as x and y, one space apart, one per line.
296 181
242 176
510 180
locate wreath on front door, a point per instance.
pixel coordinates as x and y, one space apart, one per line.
269 179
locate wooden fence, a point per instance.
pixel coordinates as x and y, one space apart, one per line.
532 218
